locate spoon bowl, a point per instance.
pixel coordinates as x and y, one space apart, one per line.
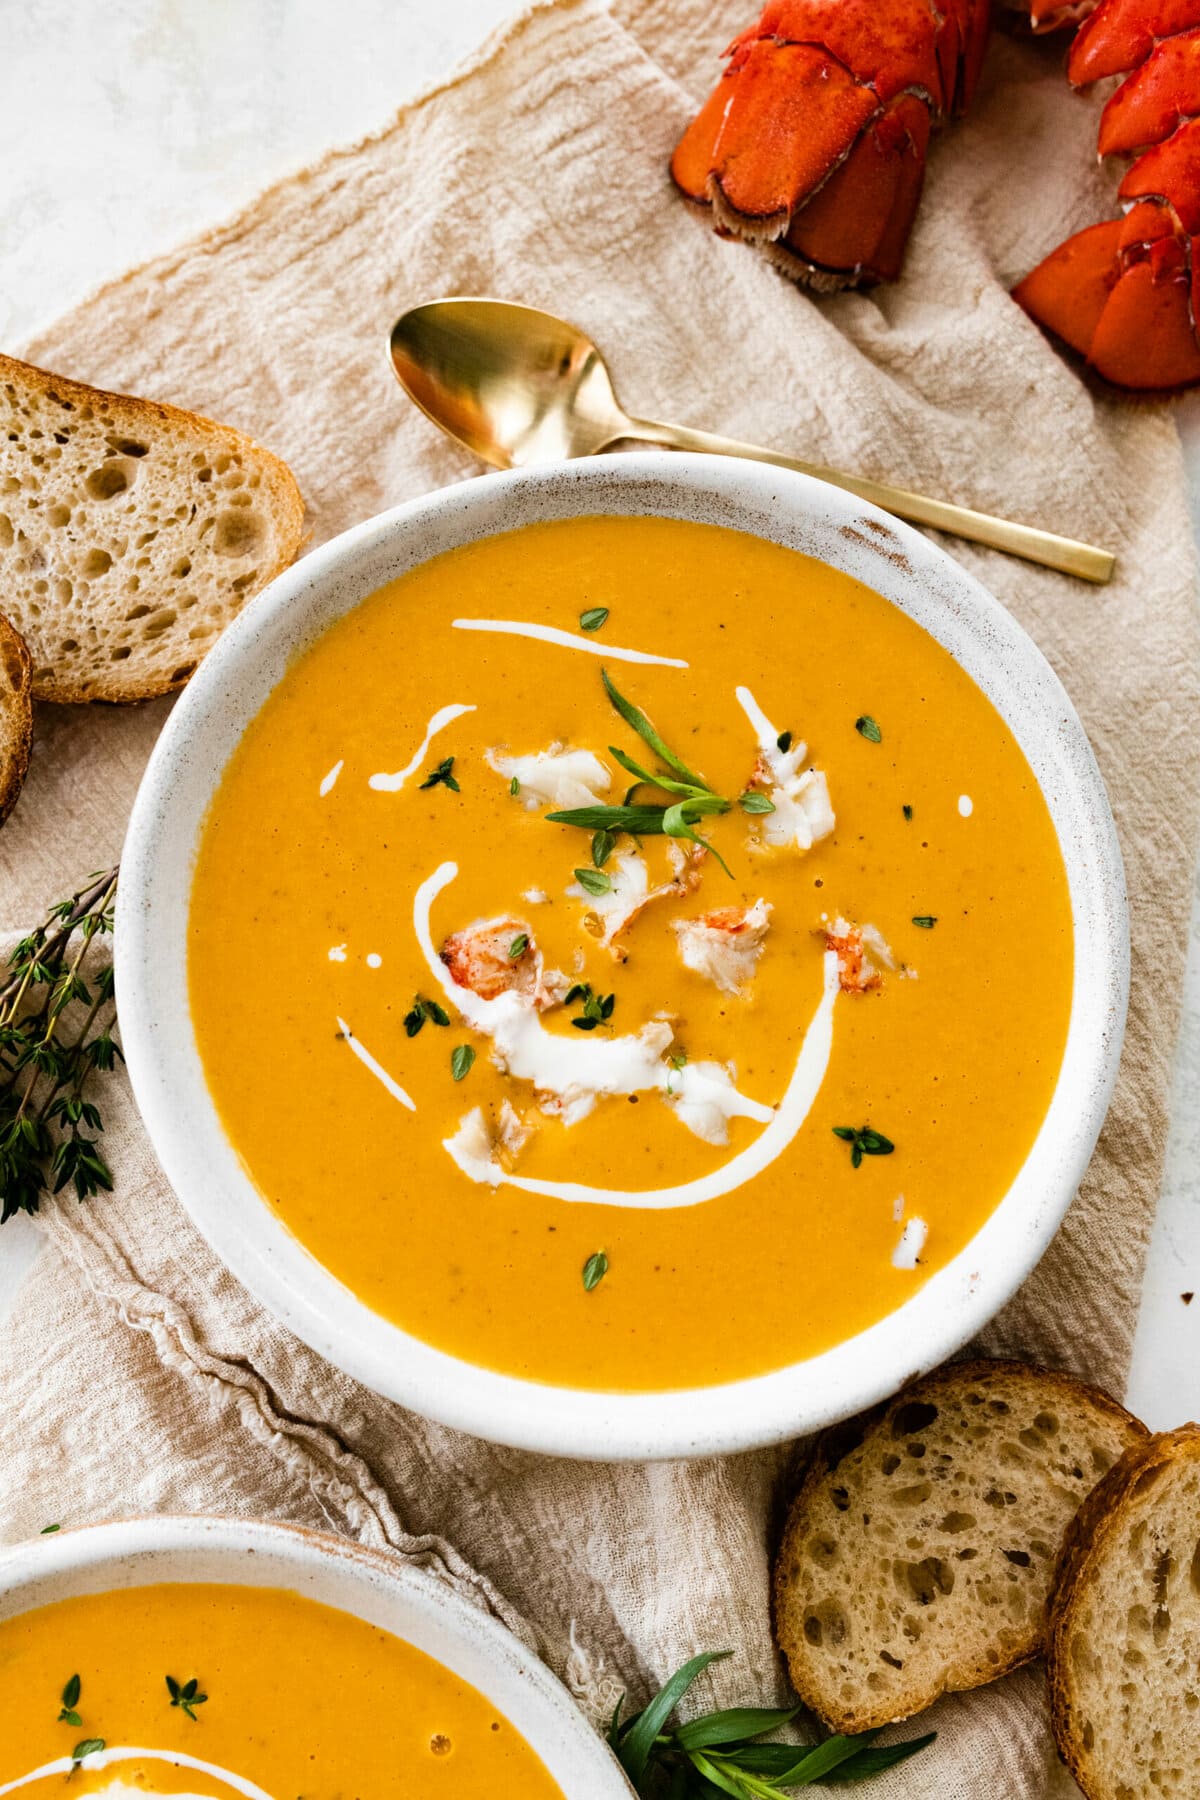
515 385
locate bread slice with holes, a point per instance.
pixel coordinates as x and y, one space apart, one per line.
131 534
918 1554
16 715
1124 1640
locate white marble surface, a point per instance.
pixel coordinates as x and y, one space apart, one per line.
127 126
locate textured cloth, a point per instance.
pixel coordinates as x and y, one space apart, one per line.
138 1376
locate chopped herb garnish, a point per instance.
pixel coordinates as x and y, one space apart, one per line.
593 618
594 881
89 1747
421 1010
866 727
461 1060
70 1700
47 1529
514 787
784 741
518 947
186 1695
603 844
906 809
863 1142
696 799
755 803
597 1008
926 921
719 1752
443 776
594 1270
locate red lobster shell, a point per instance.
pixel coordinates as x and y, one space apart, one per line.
1125 293
813 142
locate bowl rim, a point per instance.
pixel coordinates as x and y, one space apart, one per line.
338 1572
912 572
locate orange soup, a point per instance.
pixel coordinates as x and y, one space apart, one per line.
630 954
237 1693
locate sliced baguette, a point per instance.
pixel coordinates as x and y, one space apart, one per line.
918 1553
130 534
16 715
1124 1640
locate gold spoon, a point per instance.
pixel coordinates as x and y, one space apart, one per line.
519 386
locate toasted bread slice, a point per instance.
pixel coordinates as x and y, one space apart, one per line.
1124 1639
16 715
130 534
919 1551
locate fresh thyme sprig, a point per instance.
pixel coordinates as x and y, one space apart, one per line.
597 1008
186 1695
45 1068
863 1141
696 800
421 1010
720 1753
69 1713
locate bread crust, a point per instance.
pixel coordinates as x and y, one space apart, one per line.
16 715
828 1451
1093 1532
125 682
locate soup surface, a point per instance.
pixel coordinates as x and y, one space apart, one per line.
297 1699
623 1112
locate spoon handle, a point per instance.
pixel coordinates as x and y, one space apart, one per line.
1045 547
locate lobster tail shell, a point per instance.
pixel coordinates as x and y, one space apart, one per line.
814 141
1124 294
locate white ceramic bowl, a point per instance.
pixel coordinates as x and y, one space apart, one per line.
204 1169
380 1589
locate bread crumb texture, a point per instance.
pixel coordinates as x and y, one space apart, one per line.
16 715
131 534
919 1552
1124 1653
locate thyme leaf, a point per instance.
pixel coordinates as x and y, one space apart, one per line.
594 881
593 618
442 776
461 1059
867 727
594 1270
925 921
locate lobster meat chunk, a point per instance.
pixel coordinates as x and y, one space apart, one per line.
1125 293
813 143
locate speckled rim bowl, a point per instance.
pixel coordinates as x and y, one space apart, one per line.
205 1170
368 1584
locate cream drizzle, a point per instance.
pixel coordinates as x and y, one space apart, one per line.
100 1759
377 1069
570 640
327 781
391 784
610 1060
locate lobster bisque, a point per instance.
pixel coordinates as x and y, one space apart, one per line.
306 960
297 1699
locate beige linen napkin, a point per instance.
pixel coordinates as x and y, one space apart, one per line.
137 1375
